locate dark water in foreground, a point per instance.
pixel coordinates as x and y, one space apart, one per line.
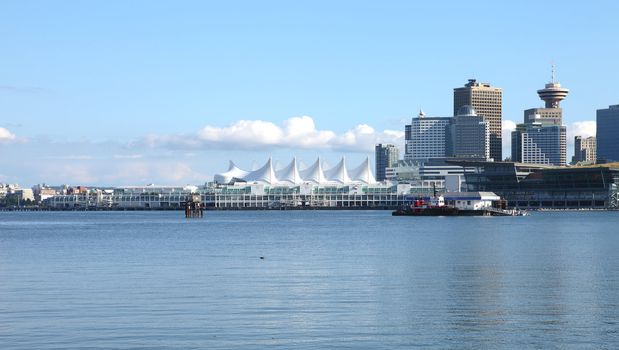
328 280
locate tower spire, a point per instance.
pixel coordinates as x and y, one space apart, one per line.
553 93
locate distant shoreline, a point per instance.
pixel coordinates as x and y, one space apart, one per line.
205 209
265 209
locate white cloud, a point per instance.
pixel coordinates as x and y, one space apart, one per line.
76 173
507 127
120 172
127 156
584 129
243 131
6 135
295 132
147 172
72 157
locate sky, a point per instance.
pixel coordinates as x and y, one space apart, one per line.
116 93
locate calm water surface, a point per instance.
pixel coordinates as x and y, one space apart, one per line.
345 279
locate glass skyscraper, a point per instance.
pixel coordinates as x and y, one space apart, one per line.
538 144
469 135
608 134
387 156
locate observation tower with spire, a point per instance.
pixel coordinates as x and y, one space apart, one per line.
542 138
553 93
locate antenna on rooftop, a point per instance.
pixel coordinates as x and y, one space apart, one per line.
552 77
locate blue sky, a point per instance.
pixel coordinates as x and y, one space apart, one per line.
133 92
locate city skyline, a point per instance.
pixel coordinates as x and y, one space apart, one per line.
89 97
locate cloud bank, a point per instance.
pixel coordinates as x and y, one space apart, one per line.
507 126
585 129
6 135
21 89
293 133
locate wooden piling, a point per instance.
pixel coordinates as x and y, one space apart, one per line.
194 208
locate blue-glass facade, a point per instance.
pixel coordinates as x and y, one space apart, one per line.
539 144
608 134
537 186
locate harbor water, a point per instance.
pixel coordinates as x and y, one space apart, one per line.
308 280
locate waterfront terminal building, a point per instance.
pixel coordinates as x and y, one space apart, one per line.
290 187
530 186
525 186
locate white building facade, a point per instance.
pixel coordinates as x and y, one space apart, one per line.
426 137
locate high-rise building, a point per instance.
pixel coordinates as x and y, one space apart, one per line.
469 135
584 150
426 137
487 101
387 156
534 143
608 134
542 139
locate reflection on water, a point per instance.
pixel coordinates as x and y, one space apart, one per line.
327 280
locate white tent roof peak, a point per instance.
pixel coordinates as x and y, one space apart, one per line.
339 173
265 174
290 173
363 173
314 173
234 173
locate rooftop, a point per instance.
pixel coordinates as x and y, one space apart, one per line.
614 165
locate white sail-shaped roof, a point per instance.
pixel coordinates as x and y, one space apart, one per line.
234 173
265 174
363 173
339 173
290 173
314 173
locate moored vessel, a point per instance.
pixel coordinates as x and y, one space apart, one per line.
458 204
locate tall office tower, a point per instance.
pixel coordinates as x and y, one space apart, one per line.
487 100
426 137
608 134
386 157
469 135
584 150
